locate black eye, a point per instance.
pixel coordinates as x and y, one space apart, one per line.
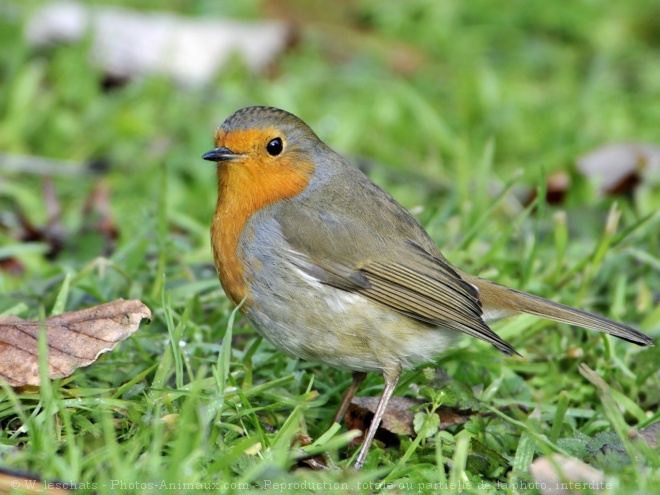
274 147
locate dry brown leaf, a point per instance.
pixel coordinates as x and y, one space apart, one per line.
618 168
558 474
75 339
400 415
556 186
15 482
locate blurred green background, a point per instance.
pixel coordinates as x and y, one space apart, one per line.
424 87
460 109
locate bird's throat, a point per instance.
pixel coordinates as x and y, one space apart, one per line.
243 189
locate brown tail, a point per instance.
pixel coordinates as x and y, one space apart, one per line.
503 300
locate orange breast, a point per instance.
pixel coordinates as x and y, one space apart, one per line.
245 187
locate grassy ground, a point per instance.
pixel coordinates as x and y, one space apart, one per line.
456 105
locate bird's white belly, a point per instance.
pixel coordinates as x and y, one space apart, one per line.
344 329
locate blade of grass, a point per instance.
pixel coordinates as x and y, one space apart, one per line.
174 337
541 440
221 369
62 296
560 414
619 424
477 227
457 475
532 245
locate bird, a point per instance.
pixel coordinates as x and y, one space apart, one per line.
330 268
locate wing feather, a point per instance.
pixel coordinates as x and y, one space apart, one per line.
380 252
418 285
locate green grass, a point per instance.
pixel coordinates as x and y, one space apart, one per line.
489 101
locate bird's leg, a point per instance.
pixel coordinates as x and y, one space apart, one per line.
358 378
391 378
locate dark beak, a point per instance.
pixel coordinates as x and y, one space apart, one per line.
221 154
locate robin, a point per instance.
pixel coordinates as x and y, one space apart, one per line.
332 269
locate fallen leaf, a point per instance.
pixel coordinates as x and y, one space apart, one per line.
650 434
556 186
558 474
127 43
15 482
75 339
399 418
618 168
